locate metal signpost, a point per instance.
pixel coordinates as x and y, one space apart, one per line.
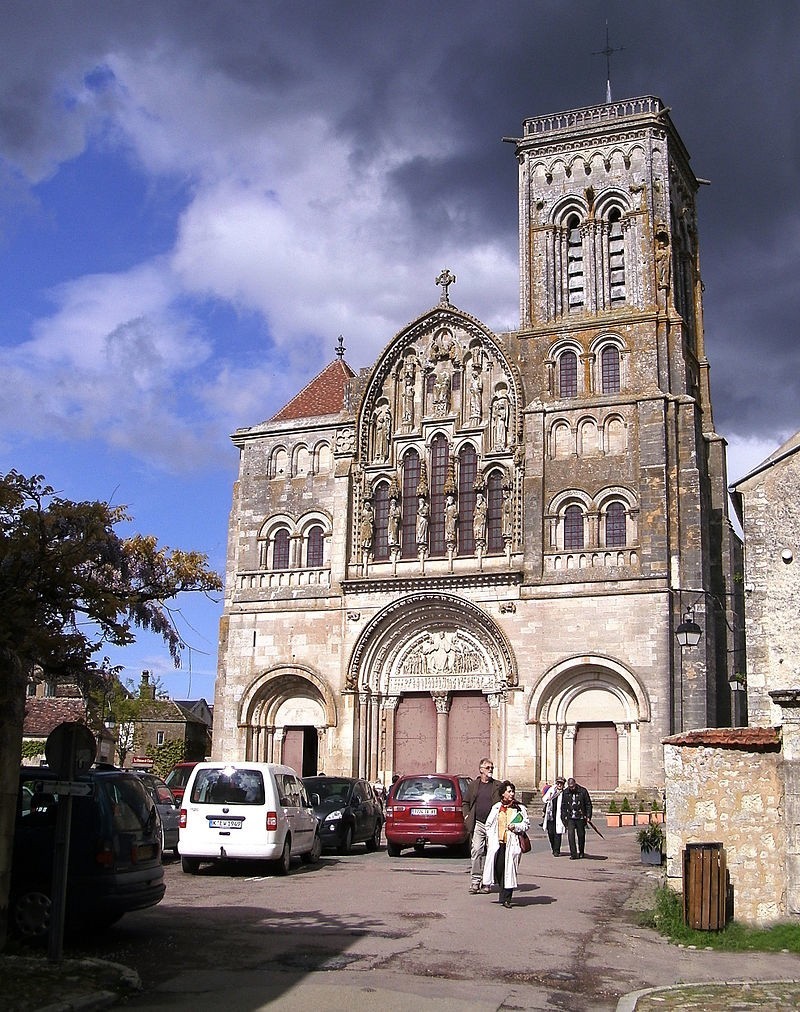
70 750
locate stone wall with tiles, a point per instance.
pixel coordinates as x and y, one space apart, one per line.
728 785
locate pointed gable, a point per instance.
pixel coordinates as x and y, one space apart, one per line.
324 395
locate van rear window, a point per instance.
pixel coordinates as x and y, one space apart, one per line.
228 787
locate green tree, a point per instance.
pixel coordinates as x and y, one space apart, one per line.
69 585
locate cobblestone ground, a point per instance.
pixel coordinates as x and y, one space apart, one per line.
731 997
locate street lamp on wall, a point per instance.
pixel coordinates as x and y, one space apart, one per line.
688 632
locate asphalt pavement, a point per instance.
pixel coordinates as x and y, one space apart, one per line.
570 943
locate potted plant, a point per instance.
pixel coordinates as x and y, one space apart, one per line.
656 815
651 843
612 815
626 815
642 816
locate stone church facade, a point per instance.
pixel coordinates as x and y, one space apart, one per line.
483 544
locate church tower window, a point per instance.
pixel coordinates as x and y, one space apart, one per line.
616 257
568 374
380 543
440 456
609 369
616 534
411 470
280 549
573 527
575 280
494 513
467 473
315 550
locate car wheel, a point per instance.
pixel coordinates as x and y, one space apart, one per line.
375 840
313 855
191 865
392 849
347 841
284 862
32 914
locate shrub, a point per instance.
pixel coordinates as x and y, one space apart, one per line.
626 805
651 837
612 807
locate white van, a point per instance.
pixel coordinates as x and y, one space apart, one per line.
247 811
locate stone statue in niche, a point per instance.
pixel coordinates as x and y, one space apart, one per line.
663 257
423 515
501 415
409 385
393 523
450 521
479 520
367 526
441 394
383 432
475 395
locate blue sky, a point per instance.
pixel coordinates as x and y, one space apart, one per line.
197 198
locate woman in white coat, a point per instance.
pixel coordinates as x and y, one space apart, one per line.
553 823
505 822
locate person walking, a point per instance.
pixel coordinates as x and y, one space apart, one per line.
504 824
482 794
553 818
576 811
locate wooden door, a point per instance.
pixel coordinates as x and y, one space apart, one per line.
467 732
595 760
415 734
292 751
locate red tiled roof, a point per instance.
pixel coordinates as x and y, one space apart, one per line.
43 713
753 738
324 395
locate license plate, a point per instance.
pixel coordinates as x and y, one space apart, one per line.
225 823
423 811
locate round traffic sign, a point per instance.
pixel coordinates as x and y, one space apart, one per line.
70 749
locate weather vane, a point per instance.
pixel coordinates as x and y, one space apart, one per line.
607 53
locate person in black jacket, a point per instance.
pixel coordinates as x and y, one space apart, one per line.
576 811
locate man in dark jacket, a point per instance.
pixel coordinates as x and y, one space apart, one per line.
482 794
576 811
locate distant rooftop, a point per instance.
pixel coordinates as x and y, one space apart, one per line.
324 395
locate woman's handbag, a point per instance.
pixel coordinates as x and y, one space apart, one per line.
524 842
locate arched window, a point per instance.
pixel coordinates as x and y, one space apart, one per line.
568 374
315 549
616 534
440 455
408 528
575 263
494 513
280 549
616 441
563 442
609 370
380 542
467 473
573 527
616 257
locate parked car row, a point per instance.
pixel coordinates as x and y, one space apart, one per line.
125 820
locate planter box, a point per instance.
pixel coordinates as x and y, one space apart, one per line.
651 857
643 818
626 818
656 816
613 821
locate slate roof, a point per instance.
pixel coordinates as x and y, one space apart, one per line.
324 395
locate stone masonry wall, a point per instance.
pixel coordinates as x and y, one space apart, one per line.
726 786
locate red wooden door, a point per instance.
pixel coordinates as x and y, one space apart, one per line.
467 732
415 734
595 757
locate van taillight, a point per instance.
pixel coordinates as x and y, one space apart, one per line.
272 822
105 854
182 819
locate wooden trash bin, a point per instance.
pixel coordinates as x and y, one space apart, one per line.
705 886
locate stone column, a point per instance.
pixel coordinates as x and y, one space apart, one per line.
363 728
789 702
442 703
389 708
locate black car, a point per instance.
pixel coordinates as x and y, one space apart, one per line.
114 854
348 812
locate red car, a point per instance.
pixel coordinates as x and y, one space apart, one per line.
178 778
426 809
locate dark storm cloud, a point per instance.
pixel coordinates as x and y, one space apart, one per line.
457 77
